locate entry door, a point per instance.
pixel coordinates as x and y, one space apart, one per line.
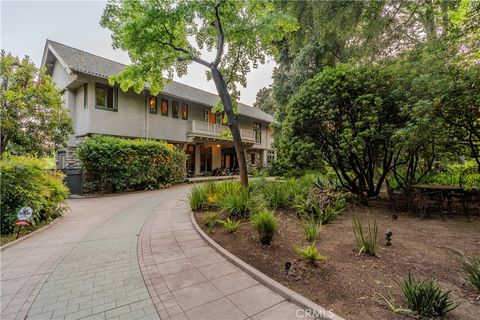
211 117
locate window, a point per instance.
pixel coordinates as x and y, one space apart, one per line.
257 128
184 111
85 95
271 156
175 109
219 118
206 114
252 157
152 104
106 97
164 107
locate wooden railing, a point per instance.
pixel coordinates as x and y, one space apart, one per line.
215 130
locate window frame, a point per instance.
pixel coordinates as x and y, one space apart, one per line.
85 95
114 97
175 108
184 105
155 111
161 107
257 129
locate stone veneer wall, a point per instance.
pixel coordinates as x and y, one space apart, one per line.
258 159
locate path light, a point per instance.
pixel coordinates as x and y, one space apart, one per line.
388 237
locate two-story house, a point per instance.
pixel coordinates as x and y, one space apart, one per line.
180 114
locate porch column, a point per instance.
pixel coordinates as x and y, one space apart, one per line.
197 159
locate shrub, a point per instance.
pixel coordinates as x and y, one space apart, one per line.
25 182
237 204
310 253
210 221
328 214
311 229
366 239
473 272
230 225
198 198
276 196
425 297
265 223
119 164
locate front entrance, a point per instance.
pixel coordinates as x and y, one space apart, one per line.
205 158
229 158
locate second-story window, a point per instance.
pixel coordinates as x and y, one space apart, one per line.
175 109
219 118
164 107
206 114
85 95
184 111
152 104
257 129
106 97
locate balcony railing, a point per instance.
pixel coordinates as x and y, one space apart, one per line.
200 128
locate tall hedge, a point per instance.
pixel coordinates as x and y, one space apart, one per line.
118 164
25 182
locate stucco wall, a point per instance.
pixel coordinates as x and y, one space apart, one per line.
60 76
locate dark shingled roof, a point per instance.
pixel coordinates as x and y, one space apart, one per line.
84 62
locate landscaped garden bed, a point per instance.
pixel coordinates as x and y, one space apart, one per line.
349 283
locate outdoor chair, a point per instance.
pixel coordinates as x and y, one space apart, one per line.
430 202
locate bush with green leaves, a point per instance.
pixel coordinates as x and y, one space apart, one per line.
452 174
276 195
230 225
310 253
311 229
198 198
425 298
118 164
238 205
25 182
472 268
266 225
366 239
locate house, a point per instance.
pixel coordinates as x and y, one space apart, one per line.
180 114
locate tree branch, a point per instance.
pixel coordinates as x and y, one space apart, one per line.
220 45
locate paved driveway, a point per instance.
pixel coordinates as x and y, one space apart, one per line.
133 256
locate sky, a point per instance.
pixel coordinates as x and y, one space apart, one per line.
25 25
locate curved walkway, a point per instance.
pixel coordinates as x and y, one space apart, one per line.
133 256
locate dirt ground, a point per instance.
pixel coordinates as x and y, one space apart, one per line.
346 282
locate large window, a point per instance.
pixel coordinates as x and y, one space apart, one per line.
219 118
175 109
106 97
85 95
152 104
164 107
257 129
184 111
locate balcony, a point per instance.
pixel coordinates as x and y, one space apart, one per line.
210 131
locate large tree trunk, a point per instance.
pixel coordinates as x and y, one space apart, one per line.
232 123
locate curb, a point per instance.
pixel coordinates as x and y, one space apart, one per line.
14 242
317 312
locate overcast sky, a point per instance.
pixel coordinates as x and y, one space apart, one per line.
25 25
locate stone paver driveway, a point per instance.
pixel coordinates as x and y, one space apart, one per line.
133 256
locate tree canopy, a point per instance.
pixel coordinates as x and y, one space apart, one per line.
163 36
32 115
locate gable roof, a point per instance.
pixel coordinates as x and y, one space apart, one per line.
84 62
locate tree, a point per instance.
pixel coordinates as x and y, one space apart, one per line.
264 100
32 115
346 116
165 36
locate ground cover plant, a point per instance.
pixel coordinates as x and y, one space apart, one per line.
266 225
472 269
365 234
310 253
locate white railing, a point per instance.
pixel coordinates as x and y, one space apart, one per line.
215 130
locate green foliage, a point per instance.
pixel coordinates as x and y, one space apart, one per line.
238 205
266 225
121 164
472 268
230 225
310 253
366 239
198 198
24 182
210 221
311 229
32 115
329 214
450 175
425 297
265 101
226 135
276 195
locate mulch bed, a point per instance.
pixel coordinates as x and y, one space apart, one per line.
346 282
